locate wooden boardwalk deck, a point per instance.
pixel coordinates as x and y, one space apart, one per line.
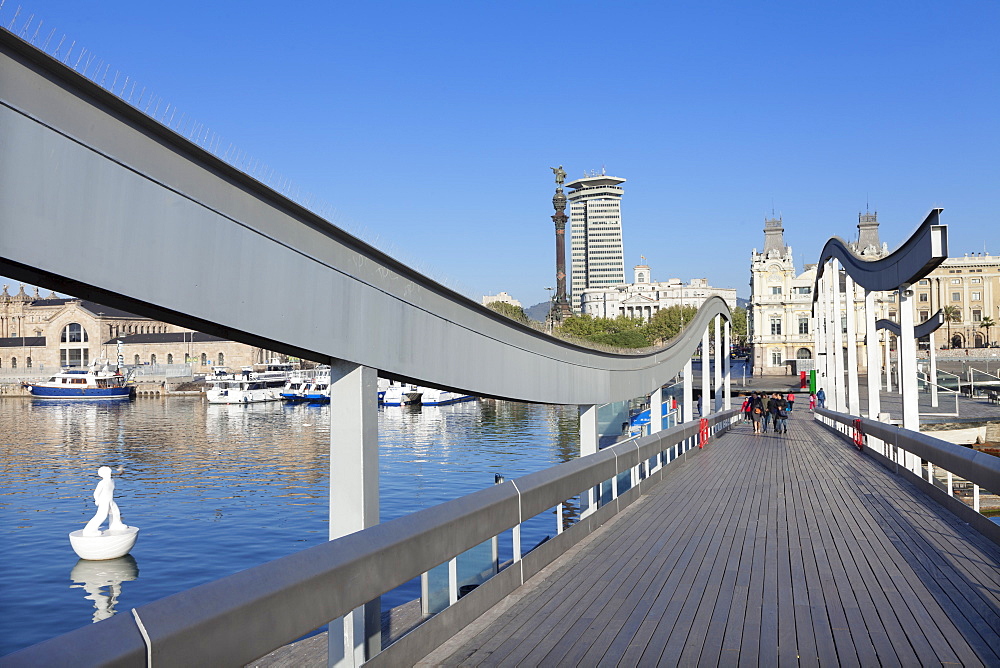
762 550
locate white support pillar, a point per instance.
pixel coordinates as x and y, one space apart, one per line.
828 339
354 497
688 399
888 360
819 332
853 395
717 385
874 358
656 411
588 446
839 400
907 354
727 366
706 387
933 375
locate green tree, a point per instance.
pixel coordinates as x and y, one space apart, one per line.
509 310
987 323
951 314
668 322
739 331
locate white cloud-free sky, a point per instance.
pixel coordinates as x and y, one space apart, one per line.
428 129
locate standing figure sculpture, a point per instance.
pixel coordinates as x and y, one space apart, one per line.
560 175
115 541
104 499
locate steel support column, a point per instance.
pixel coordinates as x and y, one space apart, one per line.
706 387
933 374
656 411
728 368
907 354
588 446
354 497
872 348
717 385
853 396
839 400
688 398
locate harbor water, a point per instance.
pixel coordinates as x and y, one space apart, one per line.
216 489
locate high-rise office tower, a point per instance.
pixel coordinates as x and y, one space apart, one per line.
596 255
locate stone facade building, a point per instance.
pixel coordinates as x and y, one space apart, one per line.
970 285
780 309
644 297
41 334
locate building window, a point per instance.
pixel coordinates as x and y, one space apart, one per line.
977 315
170 358
803 354
956 281
152 359
775 326
775 358
923 316
27 362
137 360
222 360
74 333
13 362
803 325
956 296
775 289
923 281
977 296
975 280
204 359
923 297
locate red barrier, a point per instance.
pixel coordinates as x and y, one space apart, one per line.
859 436
702 432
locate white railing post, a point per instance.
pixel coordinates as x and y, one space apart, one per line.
934 373
688 397
453 581
717 385
727 391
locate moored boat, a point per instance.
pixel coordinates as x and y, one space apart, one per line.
249 387
77 383
401 395
317 391
434 397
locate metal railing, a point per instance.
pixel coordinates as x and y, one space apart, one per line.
237 619
950 472
927 386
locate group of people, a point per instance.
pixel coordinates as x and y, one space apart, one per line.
765 410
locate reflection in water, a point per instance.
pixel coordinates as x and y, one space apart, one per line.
102 580
244 484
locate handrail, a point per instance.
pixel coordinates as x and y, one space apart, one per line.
976 467
236 619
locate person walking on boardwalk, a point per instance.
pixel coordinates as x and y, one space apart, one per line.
766 405
780 415
757 412
812 402
746 408
791 401
821 398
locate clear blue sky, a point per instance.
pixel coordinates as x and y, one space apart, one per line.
429 127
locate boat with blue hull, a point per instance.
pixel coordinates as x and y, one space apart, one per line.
92 383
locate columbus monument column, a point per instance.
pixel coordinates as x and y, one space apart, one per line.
560 305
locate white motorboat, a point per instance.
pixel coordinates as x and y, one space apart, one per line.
434 397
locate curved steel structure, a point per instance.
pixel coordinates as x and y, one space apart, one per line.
932 324
924 250
100 201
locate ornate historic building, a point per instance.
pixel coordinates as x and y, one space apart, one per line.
48 333
780 309
643 298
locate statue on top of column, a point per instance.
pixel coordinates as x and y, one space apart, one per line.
560 175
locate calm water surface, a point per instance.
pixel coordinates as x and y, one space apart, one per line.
217 489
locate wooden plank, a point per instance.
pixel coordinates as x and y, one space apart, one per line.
764 550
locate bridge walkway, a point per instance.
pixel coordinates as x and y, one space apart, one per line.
759 550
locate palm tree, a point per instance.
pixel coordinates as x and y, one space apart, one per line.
951 314
986 323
